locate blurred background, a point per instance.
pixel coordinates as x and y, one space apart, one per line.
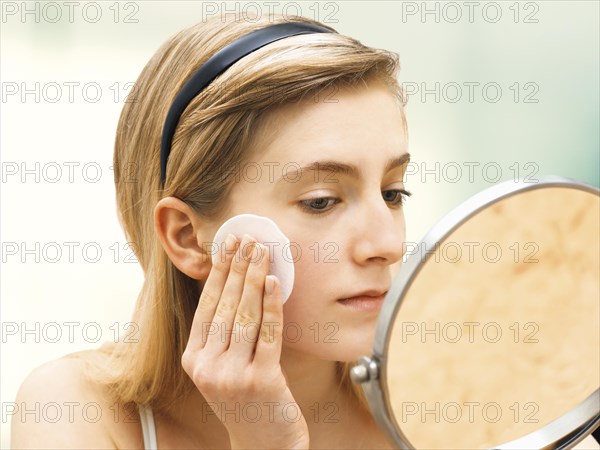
497 91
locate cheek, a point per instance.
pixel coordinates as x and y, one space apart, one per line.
395 270
310 310
308 299
315 282
312 320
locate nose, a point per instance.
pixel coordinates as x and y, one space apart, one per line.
380 232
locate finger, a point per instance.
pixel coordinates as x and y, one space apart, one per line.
211 293
217 343
268 347
249 313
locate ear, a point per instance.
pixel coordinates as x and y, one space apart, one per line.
185 238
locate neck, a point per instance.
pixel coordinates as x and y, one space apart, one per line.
312 381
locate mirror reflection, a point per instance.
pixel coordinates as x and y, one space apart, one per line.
498 334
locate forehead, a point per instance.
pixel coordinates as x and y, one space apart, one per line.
349 123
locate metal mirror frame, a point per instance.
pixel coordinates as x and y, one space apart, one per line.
563 432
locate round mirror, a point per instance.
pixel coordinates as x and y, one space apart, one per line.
489 336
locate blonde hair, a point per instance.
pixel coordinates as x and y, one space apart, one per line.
216 131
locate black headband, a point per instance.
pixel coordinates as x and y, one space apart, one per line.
217 64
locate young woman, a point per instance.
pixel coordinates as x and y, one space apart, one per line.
261 374
241 146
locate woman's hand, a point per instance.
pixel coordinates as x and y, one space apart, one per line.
242 372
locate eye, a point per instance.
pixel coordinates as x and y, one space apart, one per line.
399 196
318 205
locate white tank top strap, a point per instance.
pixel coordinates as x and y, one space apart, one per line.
148 427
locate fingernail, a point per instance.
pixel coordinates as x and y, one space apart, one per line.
230 241
248 245
255 252
269 284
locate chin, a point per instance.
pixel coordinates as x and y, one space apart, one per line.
355 354
354 347
345 351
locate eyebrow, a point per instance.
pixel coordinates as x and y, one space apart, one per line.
332 166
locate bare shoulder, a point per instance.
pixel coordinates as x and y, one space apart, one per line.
58 407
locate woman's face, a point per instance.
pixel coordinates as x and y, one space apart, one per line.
341 246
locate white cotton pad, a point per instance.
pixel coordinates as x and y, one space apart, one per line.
265 231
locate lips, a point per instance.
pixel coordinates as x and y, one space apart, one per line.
366 295
363 303
361 298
